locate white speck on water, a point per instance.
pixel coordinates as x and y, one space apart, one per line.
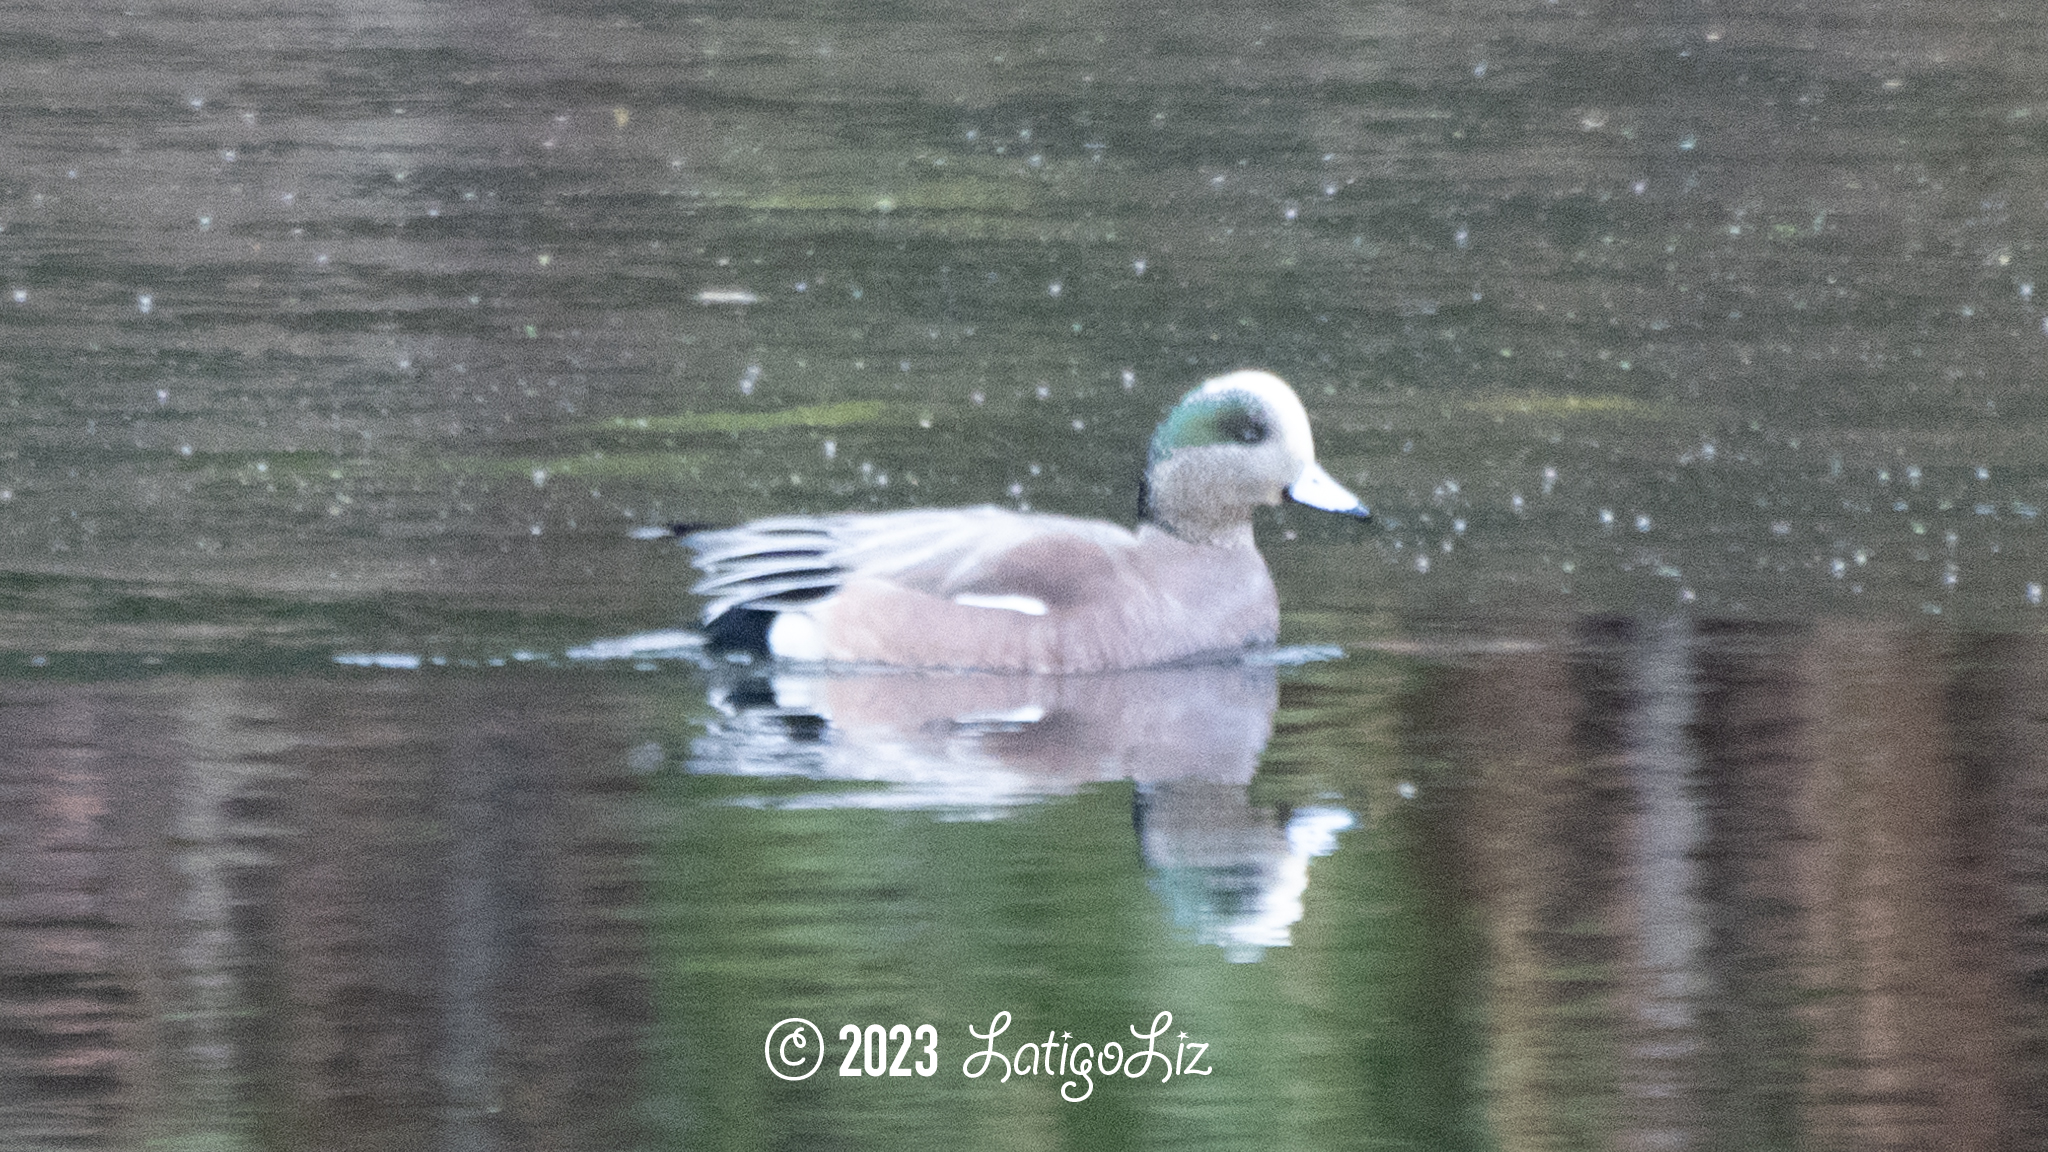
1983 473
1054 289
1138 266
163 396
1606 516
540 477
1781 528
1515 501
144 302
831 449
749 378
1462 237
184 449
533 529
1405 790
1549 480
405 661
1422 563
739 296
21 295
2034 594
1839 567
1130 379
1642 523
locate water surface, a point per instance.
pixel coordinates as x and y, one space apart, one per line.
1662 768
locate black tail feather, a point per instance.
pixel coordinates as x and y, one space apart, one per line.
740 630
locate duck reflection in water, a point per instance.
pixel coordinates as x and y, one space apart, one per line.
975 745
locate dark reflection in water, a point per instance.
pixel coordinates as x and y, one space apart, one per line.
305 913
1755 888
1641 885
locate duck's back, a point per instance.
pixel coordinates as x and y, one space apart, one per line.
990 588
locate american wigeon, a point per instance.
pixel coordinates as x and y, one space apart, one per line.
989 588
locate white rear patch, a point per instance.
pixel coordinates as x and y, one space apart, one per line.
794 636
1028 605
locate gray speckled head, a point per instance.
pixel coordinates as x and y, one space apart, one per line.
1229 446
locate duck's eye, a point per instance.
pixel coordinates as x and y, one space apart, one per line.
1243 426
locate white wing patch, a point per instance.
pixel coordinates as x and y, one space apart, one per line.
1028 605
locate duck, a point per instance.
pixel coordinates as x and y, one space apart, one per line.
1001 590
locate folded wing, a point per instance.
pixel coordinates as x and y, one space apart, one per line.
792 562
